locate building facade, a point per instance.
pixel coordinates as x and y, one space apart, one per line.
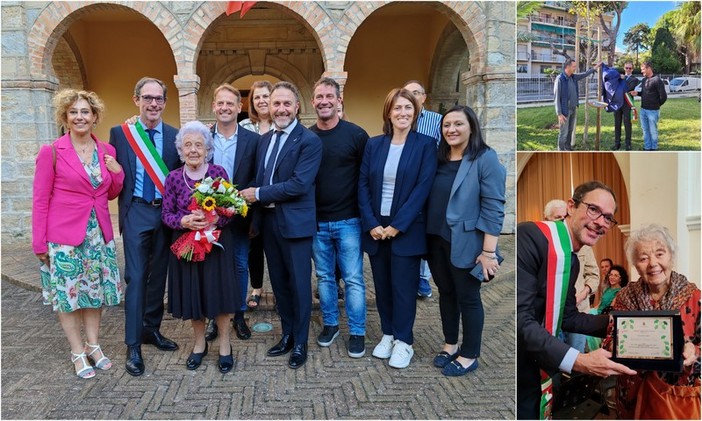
463 52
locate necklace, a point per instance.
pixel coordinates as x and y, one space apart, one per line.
185 179
84 148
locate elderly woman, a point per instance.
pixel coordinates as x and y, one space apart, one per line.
464 219
71 228
652 251
259 121
397 171
199 289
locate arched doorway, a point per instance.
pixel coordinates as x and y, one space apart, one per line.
385 52
269 43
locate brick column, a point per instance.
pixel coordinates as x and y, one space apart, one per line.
188 87
339 76
27 124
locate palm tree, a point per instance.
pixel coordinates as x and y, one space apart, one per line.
686 30
636 38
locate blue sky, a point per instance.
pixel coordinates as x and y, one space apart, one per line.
642 11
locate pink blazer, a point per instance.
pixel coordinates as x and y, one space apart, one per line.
64 197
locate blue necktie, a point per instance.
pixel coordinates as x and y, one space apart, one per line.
148 189
271 159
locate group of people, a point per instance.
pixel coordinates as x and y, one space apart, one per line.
653 96
547 272
326 194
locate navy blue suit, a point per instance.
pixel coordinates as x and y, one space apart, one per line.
146 242
395 262
288 228
243 175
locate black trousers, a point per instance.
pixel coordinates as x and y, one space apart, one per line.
459 298
622 115
256 261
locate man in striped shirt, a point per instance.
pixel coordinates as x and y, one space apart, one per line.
428 123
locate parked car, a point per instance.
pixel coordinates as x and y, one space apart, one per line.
665 82
685 84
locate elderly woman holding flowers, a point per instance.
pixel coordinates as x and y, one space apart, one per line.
201 274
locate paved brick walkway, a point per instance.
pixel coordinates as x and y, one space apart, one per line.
38 380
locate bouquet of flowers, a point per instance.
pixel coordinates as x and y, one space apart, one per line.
214 197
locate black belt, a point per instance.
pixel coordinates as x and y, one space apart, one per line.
155 203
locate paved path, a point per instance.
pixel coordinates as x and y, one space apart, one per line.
38 379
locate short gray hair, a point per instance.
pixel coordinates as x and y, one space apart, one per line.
651 232
554 204
197 128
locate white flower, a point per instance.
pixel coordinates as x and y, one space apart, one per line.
221 189
203 188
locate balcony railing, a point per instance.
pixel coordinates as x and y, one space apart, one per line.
552 21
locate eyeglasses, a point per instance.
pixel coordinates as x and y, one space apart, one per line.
593 212
628 68
148 99
417 93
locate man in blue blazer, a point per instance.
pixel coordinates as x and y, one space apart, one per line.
235 151
146 240
287 163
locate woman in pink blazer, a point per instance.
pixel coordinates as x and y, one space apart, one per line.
71 230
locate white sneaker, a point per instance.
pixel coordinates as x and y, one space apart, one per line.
384 348
401 355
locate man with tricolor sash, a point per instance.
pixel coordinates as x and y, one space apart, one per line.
624 114
547 268
146 150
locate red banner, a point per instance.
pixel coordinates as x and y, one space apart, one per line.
243 6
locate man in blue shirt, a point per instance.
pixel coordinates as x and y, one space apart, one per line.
566 95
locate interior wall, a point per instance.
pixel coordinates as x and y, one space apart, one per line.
115 57
385 52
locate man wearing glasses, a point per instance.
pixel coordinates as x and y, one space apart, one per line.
141 149
547 268
428 123
623 114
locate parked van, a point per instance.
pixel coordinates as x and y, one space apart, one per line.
685 84
666 84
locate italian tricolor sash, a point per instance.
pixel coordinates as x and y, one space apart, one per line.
146 152
630 102
557 277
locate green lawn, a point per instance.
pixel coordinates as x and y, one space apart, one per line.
678 128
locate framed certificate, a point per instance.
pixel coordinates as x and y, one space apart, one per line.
648 340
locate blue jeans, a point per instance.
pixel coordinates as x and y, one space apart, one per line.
424 276
649 125
575 340
241 262
340 241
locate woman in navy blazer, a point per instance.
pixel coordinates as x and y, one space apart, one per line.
465 216
397 171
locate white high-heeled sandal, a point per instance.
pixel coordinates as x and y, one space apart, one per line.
85 372
103 363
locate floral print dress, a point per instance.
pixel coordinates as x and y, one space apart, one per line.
85 276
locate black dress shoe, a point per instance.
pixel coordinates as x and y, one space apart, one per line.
195 359
281 348
298 356
211 332
159 341
226 362
135 363
242 330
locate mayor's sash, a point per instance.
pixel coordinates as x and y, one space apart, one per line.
557 277
147 154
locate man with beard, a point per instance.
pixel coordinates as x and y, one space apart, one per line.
287 163
235 151
338 239
547 268
146 239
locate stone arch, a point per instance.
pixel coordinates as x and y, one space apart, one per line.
57 17
68 62
205 17
275 66
469 18
451 59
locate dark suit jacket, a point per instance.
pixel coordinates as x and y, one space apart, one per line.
244 171
476 206
536 348
294 176
127 159
415 175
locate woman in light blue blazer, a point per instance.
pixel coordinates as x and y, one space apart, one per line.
464 218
